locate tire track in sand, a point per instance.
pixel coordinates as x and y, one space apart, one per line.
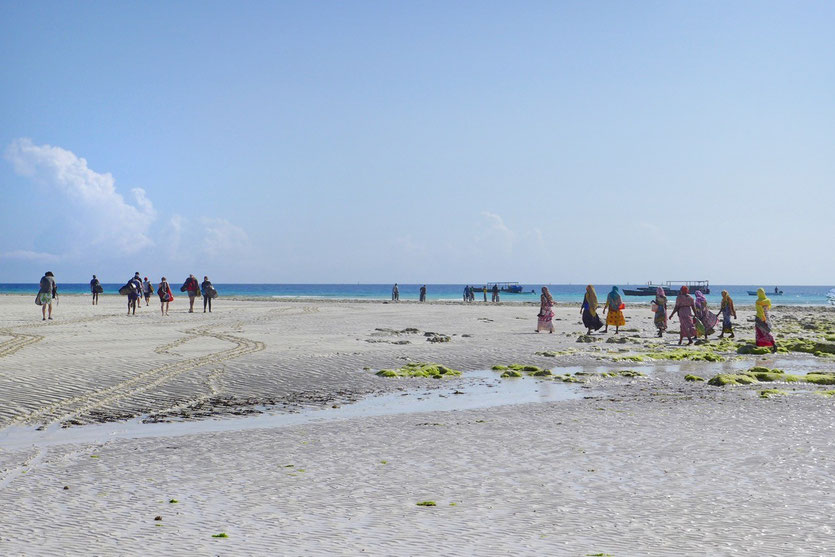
78 405
22 340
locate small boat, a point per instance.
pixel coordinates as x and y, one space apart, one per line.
506 287
671 287
776 292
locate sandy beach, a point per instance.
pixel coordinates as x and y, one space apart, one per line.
106 418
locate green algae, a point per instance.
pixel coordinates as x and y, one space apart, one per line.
819 349
427 504
510 373
420 369
829 393
554 354
753 349
633 358
542 373
820 378
172 501
725 379
768 393
630 373
680 354
693 378
221 535
499 368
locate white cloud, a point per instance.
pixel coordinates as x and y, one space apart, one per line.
102 215
221 237
28 255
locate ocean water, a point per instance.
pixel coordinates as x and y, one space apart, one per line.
792 295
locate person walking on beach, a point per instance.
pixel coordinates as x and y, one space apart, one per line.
545 316
95 289
496 293
48 290
485 293
147 290
207 289
684 308
705 319
589 310
190 287
762 327
395 293
423 293
614 305
659 307
135 293
165 295
466 295
726 308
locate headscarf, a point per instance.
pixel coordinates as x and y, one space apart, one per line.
613 299
727 302
762 304
660 297
683 299
547 295
700 299
591 300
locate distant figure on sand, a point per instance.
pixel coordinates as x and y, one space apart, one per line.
659 307
726 308
46 293
147 290
191 287
423 293
95 289
466 295
589 310
545 316
496 293
684 308
395 293
762 327
614 305
135 292
705 319
165 295
208 290
485 293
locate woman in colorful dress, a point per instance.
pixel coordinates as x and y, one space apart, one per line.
762 327
614 305
546 313
726 308
589 310
660 309
684 308
705 319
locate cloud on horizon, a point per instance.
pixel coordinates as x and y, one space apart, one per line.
104 216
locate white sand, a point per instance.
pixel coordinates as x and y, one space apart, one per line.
646 466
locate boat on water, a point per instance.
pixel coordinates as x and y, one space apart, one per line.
671 287
777 292
506 287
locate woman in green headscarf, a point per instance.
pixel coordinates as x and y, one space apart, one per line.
762 327
614 305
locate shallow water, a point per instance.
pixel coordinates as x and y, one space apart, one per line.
476 389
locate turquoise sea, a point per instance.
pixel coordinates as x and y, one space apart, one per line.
793 295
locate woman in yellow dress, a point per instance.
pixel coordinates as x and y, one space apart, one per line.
762 325
614 305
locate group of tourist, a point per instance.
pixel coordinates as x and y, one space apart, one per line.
135 289
468 295
695 318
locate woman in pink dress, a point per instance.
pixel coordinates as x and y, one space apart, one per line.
684 309
546 313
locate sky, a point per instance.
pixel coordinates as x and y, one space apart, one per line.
418 142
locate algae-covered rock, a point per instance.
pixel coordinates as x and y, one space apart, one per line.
499 368
753 349
820 349
693 378
587 338
510 373
617 340
829 393
419 369
820 378
768 393
767 375
570 379
725 379
630 373
632 358
683 354
427 504
542 373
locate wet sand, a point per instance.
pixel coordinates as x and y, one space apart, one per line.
644 465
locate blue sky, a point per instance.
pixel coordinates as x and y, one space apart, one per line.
418 141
